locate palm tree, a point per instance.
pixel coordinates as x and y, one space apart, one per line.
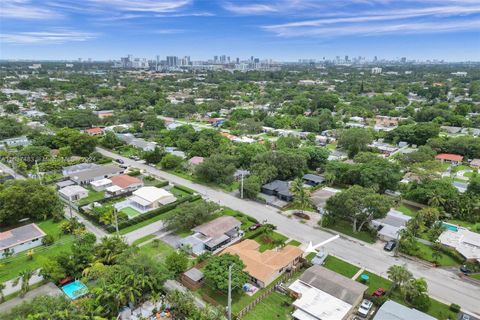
301 196
399 276
436 251
2 287
24 277
436 200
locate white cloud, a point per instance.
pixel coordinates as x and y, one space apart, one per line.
143 5
250 8
46 37
25 9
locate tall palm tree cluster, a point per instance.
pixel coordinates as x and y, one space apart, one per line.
413 291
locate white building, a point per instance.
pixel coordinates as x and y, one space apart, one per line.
102 184
376 70
73 193
146 199
466 242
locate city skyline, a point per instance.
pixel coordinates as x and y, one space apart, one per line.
280 30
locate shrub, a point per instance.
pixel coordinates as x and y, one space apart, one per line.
162 184
134 173
455 307
48 240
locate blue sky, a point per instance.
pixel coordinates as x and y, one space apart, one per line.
279 29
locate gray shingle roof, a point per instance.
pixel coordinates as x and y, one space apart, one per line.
392 310
13 237
334 284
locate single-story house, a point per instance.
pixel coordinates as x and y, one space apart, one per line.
454 159
64 183
451 130
213 235
174 151
264 267
124 183
102 184
466 242
73 193
475 163
194 161
192 278
278 188
149 198
325 295
319 197
16 142
96 173
78 168
94 131
390 226
313 179
21 238
392 310
140 143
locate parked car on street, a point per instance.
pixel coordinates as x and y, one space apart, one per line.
301 215
119 161
390 245
365 307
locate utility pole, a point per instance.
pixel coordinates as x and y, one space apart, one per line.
70 207
229 303
241 188
116 221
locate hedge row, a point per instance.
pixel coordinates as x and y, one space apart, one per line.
162 184
185 189
151 214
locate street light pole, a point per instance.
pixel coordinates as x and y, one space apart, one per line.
116 221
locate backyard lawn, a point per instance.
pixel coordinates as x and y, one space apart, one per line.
345 227
157 249
407 210
274 307
10 267
92 197
294 243
339 266
130 212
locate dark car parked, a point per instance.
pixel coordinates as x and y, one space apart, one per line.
390 245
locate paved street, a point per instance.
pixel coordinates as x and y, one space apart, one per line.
9 170
443 285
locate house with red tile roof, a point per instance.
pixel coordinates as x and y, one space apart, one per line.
94 131
454 159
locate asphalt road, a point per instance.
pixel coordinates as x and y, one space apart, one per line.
443 285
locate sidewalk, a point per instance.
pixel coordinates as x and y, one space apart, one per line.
47 289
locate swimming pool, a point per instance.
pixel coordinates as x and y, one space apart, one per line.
450 227
75 290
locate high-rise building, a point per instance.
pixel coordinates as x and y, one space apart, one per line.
238 60
346 58
215 59
404 59
223 58
172 61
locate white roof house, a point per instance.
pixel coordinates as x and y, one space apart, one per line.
467 243
74 192
149 195
392 310
315 304
101 184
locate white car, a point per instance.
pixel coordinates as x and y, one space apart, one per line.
365 307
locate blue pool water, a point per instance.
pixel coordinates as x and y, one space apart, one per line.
450 227
75 289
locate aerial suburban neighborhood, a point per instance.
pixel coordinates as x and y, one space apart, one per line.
334 188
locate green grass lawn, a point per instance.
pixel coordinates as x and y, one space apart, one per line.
146 222
339 266
294 243
130 212
374 282
407 210
10 267
268 242
178 193
437 309
143 239
331 146
92 197
475 276
296 206
345 227
272 308
157 249
425 252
